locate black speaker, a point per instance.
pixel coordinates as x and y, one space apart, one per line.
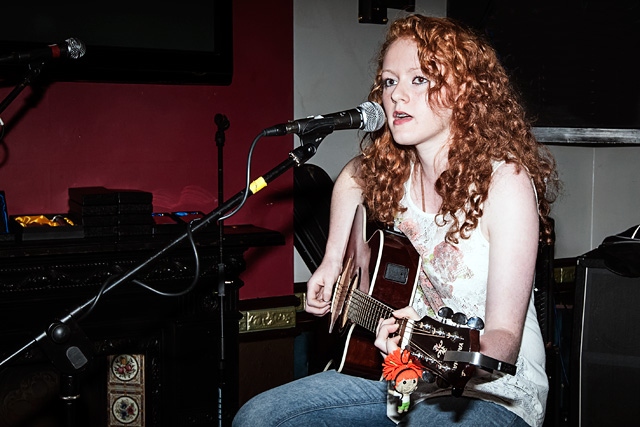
605 354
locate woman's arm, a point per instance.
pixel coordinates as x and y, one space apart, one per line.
347 194
511 223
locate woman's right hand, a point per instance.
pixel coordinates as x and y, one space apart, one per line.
346 196
320 288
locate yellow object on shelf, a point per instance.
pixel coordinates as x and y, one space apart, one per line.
38 220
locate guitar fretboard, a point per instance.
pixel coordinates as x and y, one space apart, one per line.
367 311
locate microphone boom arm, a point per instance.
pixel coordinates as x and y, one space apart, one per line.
35 68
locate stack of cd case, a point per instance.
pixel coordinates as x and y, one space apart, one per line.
112 212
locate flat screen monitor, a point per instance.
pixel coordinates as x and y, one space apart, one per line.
126 41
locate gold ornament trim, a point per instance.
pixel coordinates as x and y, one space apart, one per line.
267 319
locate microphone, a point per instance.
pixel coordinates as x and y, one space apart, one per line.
368 116
70 48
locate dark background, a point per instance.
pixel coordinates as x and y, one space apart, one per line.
572 60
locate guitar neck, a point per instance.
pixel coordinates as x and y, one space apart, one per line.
366 311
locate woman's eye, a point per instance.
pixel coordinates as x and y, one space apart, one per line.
388 82
420 80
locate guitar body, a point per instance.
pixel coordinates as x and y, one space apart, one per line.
358 356
385 266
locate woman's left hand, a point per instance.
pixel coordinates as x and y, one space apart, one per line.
386 341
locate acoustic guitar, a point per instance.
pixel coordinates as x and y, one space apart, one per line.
380 274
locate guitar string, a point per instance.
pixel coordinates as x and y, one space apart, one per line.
366 311
367 307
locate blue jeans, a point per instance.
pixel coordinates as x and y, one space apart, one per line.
332 399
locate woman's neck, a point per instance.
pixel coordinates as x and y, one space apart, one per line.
423 187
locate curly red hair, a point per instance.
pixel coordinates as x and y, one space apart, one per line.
488 124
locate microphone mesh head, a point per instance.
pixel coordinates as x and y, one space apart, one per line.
373 117
76 48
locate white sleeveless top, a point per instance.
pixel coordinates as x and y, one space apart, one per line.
455 276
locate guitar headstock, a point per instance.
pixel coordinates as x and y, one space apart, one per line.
429 340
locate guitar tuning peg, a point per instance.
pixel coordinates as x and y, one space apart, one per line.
459 318
445 313
475 323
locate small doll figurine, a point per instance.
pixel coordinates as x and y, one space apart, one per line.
403 371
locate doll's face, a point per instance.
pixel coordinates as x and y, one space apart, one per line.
406 386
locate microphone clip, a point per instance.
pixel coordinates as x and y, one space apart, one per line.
315 126
325 125
310 140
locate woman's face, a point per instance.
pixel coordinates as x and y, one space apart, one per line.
411 119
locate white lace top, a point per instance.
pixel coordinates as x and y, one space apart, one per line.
456 276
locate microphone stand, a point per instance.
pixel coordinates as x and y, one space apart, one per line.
65 343
222 123
35 68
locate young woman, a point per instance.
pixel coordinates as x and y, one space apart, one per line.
458 171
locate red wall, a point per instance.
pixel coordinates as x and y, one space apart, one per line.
161 139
